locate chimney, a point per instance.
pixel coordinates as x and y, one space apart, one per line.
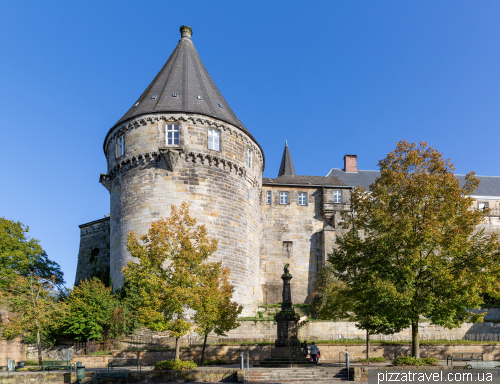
351 163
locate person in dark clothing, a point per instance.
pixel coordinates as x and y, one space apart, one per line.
305 348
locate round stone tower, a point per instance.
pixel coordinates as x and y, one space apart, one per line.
180 141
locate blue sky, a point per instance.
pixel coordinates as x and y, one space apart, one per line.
332 77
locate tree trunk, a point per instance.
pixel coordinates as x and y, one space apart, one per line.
177 348
368 345
39 345
415 345
203 350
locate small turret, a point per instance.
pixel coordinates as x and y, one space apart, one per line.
286 168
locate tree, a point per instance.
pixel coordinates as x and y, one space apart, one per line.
95 313
413 249
169 270
28 284
23 256
215 312
337 301
33 303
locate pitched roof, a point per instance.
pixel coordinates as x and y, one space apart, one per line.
286 167
183 85
489 185
304 181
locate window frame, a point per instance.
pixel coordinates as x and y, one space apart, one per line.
173 135
249 160
304 194
287 195
269 198
209 135
120 146
335 195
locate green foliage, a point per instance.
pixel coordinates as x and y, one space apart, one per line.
380 359
215 362
259 314
23 256
411 249
174 365
95 313
31 362
131 300
28 369
410 360
173 278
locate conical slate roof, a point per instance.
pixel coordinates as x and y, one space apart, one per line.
183 85
286 168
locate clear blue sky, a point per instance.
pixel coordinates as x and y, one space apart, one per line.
332 77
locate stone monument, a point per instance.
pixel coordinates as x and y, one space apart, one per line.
286 351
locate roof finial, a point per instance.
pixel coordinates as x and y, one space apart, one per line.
286 142
186 32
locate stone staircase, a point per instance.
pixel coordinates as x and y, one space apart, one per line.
278 375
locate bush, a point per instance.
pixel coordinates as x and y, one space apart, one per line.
379 359
95 313
409 360
31 362
174 365
215 362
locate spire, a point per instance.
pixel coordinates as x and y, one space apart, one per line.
286 167
183 85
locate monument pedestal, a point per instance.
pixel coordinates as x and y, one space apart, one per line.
286 351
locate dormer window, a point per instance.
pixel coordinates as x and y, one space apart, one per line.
214 139
172 134
337 196
249 157
120 146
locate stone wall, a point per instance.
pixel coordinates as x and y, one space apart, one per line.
223 192
93 256
293 233
10 349
329 352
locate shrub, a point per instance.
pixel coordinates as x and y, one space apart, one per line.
379 359
260 314
95 313
409 360
174 365
31 362
215 362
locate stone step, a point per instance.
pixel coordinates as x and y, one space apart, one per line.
298 374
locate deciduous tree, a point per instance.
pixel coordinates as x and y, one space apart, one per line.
32 300
413 249
168 270
215 312
95 313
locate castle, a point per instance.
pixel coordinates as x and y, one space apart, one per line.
181 141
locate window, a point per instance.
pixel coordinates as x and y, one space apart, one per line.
302 198
214 139
249 158
482 206
283 197
268 197
120 148
172 134
337 196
